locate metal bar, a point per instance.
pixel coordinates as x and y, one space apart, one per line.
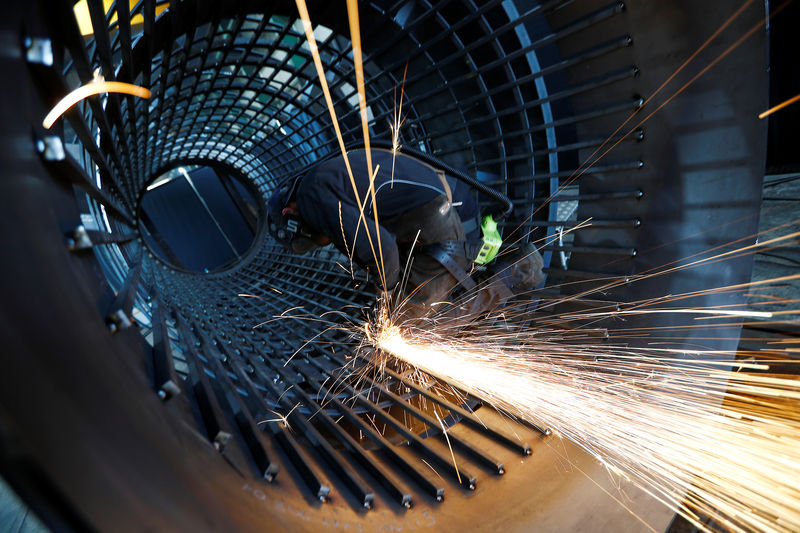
256 403
53 84
322 446
247 427
595 83
592 197
577 173
593 52
81 239
241 414
208 211
58 161
605 277
479 456
103 237
61 21
594 224
250 430
103 50
467 417
241 203
386 448
383 476
212 416
310 477
125 45
591 250
119 312
165 381
610 109
166 56
148 12
460 474
147 228
637 136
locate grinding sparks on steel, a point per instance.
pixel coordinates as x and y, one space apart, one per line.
707 433
703 432
780 106
352 8
671 421
97 86
648 415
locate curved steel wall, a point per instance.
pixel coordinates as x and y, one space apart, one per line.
155 425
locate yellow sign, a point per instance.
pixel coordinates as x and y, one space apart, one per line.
81 11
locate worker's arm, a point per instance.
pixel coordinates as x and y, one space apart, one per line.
334 213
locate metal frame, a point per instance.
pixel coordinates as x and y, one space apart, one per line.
176 419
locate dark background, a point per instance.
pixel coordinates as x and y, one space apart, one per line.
783 153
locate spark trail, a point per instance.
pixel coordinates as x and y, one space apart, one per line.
97 86
673 422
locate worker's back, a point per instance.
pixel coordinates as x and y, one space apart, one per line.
402 184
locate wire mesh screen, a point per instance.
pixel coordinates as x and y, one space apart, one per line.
479 85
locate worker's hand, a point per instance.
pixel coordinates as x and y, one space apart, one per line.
521 270
385 296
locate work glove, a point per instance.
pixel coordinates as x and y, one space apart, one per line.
521 270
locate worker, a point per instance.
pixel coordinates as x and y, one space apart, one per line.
424 219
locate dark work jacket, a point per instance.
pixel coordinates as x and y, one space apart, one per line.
327 203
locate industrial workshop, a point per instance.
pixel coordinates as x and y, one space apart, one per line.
400 266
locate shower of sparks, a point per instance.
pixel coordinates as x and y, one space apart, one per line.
780 106
397 120
358 65
674 422
97 86
701 431
355 33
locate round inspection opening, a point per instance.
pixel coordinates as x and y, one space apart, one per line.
200 217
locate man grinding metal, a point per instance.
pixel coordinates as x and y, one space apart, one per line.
422 213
